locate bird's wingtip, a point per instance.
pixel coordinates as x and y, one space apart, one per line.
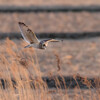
21 23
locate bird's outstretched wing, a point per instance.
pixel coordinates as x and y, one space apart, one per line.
27 33
50 40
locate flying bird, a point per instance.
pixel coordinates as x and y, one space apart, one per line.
30 37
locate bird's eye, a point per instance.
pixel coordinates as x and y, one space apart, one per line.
43 44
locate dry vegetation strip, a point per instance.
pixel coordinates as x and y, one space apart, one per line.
76 56
22 66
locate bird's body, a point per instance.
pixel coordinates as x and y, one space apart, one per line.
31 38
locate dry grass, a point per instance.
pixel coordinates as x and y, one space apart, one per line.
22 66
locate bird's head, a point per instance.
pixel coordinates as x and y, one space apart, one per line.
44 46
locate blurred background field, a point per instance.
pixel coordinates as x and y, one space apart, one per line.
49 2
60 22
50 21
22 71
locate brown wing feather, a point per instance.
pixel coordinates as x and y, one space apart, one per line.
27 33
49 40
